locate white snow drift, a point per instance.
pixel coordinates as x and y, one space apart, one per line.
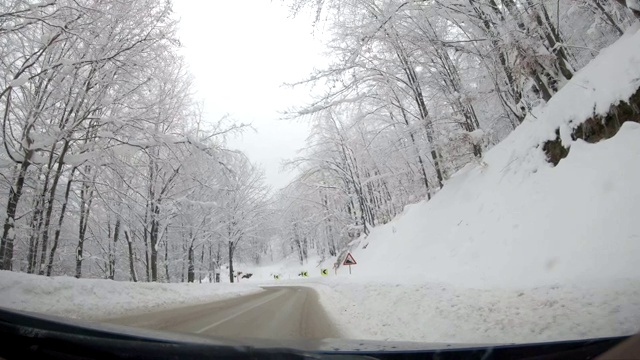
95 299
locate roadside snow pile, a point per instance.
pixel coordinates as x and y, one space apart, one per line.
516 221
442 313
95 299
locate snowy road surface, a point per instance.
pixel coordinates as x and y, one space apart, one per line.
289 313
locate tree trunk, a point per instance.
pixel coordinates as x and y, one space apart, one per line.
200 267
145 238
85 209
610 18
56 236
8 233
185 247
153 239
190 267
132 268
211 266
49 212
231 278
112 253
514 89
298 243
166 260
79 253
405 119
552 36
418 96
34 239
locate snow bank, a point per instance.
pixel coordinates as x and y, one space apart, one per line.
442 313
94 299
515 221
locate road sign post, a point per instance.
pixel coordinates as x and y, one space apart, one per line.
349 260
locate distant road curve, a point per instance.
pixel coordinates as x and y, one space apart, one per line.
279 313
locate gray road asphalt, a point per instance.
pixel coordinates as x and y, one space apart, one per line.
281 313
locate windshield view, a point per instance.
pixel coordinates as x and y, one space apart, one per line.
393 171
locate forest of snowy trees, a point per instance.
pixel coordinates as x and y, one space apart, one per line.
109 169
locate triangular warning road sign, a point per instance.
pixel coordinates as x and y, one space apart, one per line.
349 260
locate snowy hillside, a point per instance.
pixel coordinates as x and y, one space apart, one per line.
514 220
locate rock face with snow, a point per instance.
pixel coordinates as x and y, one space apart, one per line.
516 220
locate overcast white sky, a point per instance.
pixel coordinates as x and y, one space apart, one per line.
240 52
